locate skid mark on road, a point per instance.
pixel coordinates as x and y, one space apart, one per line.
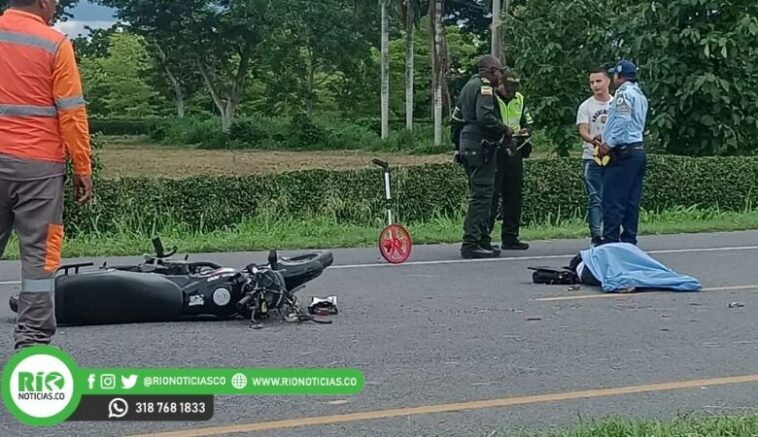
454 407
644 293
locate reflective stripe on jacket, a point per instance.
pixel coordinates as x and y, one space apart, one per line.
42 111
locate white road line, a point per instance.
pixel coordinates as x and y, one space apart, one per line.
528 258
617 295
503 259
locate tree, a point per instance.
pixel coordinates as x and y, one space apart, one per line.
699 71
311 50
220 37
409 13
115 85
553 45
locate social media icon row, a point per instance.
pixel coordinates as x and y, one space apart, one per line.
108 381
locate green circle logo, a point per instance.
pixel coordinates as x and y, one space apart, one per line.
39 386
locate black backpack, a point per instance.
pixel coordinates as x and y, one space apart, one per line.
553 276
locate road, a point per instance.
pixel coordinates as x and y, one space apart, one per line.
441 330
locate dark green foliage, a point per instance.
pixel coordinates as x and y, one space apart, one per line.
553 191
124 126
698 69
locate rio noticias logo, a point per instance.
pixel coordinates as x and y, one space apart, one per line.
38 386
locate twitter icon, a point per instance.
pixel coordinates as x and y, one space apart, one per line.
128 382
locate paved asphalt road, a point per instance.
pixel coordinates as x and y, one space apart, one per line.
440 330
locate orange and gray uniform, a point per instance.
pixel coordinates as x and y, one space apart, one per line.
43 121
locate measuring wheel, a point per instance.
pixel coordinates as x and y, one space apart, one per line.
395 243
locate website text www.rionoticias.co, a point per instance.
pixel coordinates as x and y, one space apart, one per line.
304 381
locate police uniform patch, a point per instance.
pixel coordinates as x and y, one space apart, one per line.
486 90
622 106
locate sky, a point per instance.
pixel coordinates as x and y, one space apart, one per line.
86 14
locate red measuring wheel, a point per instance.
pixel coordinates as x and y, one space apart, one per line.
395 244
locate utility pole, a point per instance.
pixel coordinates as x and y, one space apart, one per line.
496 44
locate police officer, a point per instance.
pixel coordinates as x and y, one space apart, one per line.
509 178
623 141
481 131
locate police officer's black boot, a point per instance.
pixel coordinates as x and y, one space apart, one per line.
488 246
478 252
514 245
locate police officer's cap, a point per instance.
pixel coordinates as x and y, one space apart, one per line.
511 78
625 69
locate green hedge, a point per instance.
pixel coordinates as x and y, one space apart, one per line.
553 190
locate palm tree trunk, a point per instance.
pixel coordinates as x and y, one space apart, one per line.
409 67
496 47
438 67
385 61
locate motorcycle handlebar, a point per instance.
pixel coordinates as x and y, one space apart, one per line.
160 251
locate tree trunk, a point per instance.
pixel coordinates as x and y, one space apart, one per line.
439 70
496 47
432 54
178 92
227 116
181 106
311 85
409 67
227 105
385 61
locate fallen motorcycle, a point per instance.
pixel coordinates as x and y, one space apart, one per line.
164 289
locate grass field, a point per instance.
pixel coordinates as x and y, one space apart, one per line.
134 160
136 157
265 233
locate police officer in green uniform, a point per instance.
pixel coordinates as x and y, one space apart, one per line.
509 179
479 131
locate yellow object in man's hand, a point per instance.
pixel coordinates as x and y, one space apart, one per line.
601 161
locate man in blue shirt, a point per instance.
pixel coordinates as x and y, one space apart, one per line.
623 139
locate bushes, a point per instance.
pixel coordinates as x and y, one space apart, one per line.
297 132
553 190
124 126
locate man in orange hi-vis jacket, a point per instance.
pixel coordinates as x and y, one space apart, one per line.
43 120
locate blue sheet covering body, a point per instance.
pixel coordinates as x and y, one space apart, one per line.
619 266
